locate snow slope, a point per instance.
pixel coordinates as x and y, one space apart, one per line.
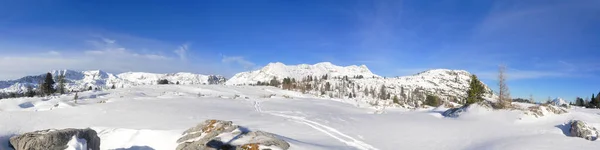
154 116
449 85
279 70
77 80
559 101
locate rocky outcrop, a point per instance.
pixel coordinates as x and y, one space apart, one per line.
583 130
54 139
454 112
541 110
219 134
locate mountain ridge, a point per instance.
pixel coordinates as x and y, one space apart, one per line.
79 80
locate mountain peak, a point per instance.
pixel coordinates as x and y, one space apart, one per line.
279 70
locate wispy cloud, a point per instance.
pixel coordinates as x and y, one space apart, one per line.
181 51
238 60
107 54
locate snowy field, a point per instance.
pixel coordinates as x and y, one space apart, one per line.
153 117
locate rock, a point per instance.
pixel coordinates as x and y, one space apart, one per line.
54 139
454 112
583 130
219 134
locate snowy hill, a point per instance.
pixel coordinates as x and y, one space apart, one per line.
154 117
77 80
449 85
280 71
559 101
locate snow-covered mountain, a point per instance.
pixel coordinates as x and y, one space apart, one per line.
78 80
449 85
280 71
559 101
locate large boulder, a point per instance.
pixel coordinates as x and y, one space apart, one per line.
583 130
219 134
453 112
52 139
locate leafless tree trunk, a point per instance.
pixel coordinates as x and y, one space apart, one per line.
531 98
503 91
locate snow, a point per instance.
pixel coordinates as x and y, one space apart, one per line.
76 144
280 71
449 85
78 80
559 101
155 116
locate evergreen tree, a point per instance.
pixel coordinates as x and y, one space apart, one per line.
395 99
274 82
593 102
382 94
598 100
327 86
61 84
113 86
30 92
476 90
177 83
90 88
48 84
432 100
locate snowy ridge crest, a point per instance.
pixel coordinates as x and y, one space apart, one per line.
77 80
279 70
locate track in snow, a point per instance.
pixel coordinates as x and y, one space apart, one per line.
332 132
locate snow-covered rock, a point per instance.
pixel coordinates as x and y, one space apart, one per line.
541 110
279 70
78 80
57 139
219 134
583 130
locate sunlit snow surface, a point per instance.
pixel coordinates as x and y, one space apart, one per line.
153 117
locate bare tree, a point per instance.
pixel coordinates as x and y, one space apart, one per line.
531 98
503 91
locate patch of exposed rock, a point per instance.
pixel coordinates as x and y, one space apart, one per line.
219 134
583 130
541 110
54 139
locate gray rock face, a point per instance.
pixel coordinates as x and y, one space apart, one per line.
54 139
454 112
219 134
583 130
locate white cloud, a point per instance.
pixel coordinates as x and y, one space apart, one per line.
54 53
181 51
108 56
238 60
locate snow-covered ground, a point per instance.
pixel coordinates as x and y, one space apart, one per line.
154 116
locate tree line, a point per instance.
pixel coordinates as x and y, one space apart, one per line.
594 102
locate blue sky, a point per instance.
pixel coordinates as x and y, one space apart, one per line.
551 47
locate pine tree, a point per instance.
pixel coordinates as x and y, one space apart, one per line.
30 92
61 84
395 99
476 90
90 88
598 100
113 86
48 84
593 101
382 94
432 100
